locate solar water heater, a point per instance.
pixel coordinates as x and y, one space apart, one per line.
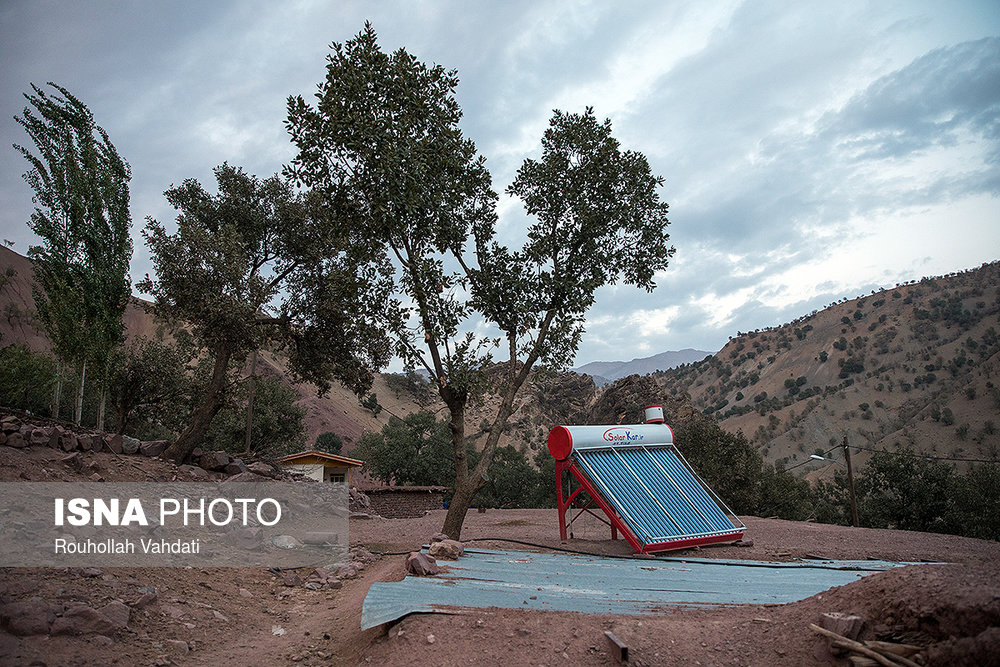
638 478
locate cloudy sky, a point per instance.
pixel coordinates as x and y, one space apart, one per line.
811 150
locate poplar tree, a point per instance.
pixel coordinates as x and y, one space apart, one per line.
82 217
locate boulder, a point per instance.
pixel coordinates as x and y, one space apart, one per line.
845 625
261 468
447 549
68 442
235 467
117 612
349 571
129 445
215 461
28 617
421 564
153 447
38 438
17 440
85 442
113 442
198 474
10 424
82 620
54 433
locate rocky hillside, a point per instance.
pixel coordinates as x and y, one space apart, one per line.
914 366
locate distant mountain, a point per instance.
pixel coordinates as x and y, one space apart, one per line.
605 372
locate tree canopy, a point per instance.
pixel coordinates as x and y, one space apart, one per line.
260 262
382 137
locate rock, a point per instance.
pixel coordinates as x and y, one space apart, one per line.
744 543
16 440
439 537
81 620
199 474
130 445
118 612
3 438
349 571
214 461
33 616
113 442
249 537
322 574
291 579
68 442
176 646
96 477
153 447
421 564
38 438
54 433
447 549
10 424
244 593
362 555
144 600
85 442
219 616
235 467
313 585
845 625
261 468
74 460
431 639
286 542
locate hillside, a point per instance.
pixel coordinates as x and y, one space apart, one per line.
912 366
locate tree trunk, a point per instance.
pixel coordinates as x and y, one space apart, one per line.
250 392
465 488
57 392
202 417
78 411
100 408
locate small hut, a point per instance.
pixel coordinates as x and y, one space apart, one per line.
321 466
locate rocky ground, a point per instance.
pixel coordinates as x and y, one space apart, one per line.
185 616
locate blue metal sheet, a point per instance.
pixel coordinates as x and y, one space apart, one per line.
588 584
654 492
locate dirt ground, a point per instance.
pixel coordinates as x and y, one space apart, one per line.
251 617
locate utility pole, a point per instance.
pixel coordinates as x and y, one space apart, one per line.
850 481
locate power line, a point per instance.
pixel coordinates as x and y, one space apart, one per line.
914 455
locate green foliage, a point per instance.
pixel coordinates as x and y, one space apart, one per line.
412 451
277 427
383 138
26 379
259 262
82 217
329 442
149 388
512 481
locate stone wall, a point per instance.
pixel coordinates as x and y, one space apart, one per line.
405 502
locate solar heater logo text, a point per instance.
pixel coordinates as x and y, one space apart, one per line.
621 434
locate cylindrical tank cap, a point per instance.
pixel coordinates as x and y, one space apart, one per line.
654 414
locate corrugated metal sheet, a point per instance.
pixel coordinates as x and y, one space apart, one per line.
568 582
654 492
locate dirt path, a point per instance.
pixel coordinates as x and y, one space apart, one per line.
231 616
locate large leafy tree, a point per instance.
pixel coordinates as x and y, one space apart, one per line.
82 217
259 262
383 136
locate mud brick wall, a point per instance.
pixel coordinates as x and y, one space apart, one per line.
402 504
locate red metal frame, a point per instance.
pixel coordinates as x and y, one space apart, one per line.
617 524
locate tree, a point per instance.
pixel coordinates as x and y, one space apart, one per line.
147 375
82 217
258 262
277 421
415 450
330 442
383 135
